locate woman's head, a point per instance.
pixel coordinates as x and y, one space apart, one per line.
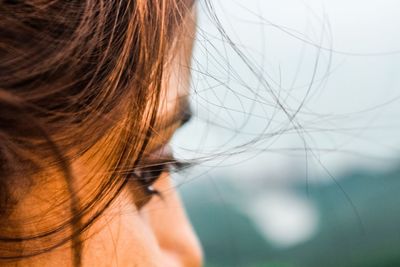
90 93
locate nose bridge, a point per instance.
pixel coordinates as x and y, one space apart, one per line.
172 228
179 241
185 253
186 250
195 255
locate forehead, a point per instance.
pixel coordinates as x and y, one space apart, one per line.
177 71
176 83
174 97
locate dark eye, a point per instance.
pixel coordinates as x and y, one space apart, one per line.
147 176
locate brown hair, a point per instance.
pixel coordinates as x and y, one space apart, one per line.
73 75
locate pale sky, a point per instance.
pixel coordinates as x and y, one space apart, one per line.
350 116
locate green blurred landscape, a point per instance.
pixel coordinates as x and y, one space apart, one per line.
361 229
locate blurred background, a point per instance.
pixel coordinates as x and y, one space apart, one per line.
295 133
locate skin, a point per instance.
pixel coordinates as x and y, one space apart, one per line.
157 234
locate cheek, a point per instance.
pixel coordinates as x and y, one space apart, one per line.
121 237
158 235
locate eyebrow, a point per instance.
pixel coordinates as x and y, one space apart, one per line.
186 115
179 116
182 114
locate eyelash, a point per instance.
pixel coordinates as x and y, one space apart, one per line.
151 172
